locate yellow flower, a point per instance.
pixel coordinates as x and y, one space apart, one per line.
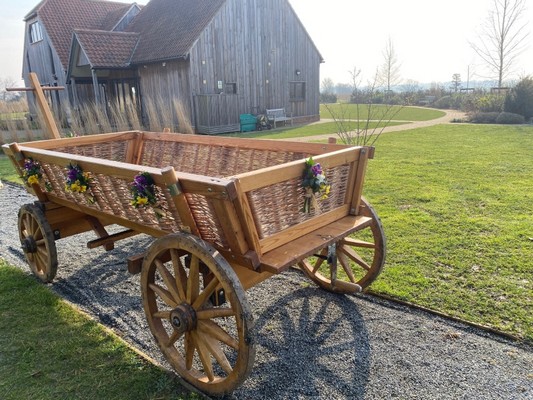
33 179
75 187
83 188
141 201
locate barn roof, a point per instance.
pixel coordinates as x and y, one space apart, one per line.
61 17
106 49
169 28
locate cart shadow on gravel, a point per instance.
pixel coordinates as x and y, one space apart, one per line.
310 344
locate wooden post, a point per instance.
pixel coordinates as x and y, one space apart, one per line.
38 90
95 86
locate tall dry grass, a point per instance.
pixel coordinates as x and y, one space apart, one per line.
92 118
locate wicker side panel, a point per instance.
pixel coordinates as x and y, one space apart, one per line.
214 161
112 196
112 150
205 217
278 207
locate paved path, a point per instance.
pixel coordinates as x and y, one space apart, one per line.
446 119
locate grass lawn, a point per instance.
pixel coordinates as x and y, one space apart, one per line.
456 203
398 113
7 172
50 351
300 131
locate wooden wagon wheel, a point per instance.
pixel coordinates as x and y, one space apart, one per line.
198 313
354 262
37 241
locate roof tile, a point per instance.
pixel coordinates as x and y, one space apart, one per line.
107 49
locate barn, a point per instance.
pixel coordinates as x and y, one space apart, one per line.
219 58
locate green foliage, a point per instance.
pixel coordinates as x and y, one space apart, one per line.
484 117
328 98
457 209
520 99
452 102
50 351
496 118
510 118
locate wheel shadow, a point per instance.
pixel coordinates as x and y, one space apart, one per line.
310 344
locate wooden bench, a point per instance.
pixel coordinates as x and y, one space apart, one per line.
278 115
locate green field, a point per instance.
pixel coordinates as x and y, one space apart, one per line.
456 204
398 113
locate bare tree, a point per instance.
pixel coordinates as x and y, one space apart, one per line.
389 72
361 124
503 37
4 84
456 82
328 86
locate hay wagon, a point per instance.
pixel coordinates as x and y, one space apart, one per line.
226 214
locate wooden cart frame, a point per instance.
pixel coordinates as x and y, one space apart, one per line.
228 217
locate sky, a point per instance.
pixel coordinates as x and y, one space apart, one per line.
430 37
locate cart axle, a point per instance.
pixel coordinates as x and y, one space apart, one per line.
183 318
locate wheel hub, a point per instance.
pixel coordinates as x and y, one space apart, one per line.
183 318
29 245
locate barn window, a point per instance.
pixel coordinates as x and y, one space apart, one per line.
36 33
230 88
297 91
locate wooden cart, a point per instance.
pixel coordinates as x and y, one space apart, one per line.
228 215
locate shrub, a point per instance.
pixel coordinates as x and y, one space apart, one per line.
510 118
520 99
328 98
484 117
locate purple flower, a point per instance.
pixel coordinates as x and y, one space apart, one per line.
140 181
316 169
72 174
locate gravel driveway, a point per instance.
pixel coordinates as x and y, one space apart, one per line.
310 344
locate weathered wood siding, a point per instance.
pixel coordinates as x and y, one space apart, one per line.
40 57
258 45
164 82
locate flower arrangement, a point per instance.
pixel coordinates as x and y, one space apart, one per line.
143 190
32 172
77 180
314 181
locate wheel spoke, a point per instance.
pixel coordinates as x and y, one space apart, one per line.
216 350
162 315
204 357
355 257
358 243
210 313
320 260
214 330
41 242
174 338
189 350
193 283
164 294
343 260
168 279
208 291
179 274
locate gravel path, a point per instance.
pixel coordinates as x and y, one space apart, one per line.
310 344
451 115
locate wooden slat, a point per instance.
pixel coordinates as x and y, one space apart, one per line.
245 214
49 120
231 225
359 180
283 257
257 144
82 140
280 173
302 229
111 238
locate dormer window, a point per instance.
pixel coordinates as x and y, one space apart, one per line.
36 33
